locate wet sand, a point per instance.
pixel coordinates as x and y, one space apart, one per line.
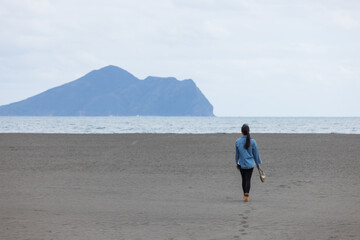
167 186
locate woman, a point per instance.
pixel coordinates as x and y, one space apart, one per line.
247 154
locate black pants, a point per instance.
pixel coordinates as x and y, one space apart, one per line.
246 178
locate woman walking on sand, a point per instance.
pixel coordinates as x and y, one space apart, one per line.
246 155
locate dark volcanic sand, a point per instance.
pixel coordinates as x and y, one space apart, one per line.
167 186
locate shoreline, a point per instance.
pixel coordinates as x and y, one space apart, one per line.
224 133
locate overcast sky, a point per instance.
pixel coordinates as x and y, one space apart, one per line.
249 58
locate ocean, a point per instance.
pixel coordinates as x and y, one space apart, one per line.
182 125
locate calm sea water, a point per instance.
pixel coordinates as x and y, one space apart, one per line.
349 125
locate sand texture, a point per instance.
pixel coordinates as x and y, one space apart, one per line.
167 186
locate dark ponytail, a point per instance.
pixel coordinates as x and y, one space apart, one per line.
246 131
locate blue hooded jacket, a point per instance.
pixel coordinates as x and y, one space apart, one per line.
247 158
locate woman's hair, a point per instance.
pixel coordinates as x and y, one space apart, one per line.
246 131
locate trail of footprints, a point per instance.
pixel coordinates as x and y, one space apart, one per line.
244 225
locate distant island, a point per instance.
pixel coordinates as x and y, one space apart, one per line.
112 91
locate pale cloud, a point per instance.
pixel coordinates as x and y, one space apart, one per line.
346 71
346 19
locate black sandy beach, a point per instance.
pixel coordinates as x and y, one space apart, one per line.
168 186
